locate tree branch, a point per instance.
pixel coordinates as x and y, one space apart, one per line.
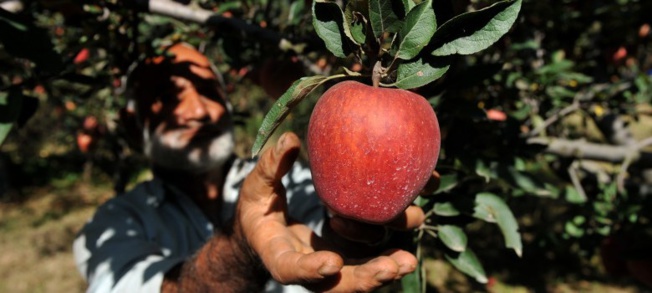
592 151
186 13
13 6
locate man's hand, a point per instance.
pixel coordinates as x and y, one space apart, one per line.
291 252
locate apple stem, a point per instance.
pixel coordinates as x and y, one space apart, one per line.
377 73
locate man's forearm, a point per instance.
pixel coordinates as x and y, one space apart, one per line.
223 264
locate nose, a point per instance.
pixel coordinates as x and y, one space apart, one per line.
195 107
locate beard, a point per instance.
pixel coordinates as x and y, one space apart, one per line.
169 149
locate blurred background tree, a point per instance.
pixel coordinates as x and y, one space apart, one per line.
555 119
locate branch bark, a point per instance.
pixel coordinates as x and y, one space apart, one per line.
592 151
193 14
13 6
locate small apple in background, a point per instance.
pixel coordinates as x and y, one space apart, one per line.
371 150
496 115
81 56
91 131
644 30
84 142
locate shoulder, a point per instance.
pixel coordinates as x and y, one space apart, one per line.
127 208
145 195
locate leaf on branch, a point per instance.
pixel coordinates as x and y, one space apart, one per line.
468 263
328 20
295 94
413 282
453 237
21 38
445 209
10 104
421 71
491 208
419 26
354 14
386 16
472 32
408 4
447 182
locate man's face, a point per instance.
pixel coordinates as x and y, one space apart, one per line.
188 126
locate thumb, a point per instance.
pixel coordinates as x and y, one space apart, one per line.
273 165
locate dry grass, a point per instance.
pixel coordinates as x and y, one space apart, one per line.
36 237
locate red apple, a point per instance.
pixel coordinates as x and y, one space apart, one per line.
81 56
371 150
84 142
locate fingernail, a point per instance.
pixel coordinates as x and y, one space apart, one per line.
328 270
406 269
280 144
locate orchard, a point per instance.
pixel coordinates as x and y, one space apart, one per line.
536 117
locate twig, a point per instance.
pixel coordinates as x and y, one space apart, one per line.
572 172
207 17
622 173
13 6
552 119
580 149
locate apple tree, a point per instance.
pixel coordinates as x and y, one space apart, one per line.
543 106
400 44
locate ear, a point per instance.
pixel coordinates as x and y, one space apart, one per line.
130 126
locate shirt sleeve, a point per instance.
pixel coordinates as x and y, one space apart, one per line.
114 254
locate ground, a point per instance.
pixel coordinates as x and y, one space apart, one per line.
36 236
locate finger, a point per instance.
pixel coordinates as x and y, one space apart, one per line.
406 261
432 185
272 165
411 218
368 275
297 268
291 260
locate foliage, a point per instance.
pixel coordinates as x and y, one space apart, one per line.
544 106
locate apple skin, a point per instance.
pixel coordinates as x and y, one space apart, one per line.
371 150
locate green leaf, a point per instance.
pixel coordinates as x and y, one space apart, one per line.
447 182
295 94
472 32
408 4
354 14
421 71
572 195
468 263
453 237
328 20
491 208
573 230
296 12
21 38
14 23
413 282
420 24
386 16
4 131
445 209
10 104
484 170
